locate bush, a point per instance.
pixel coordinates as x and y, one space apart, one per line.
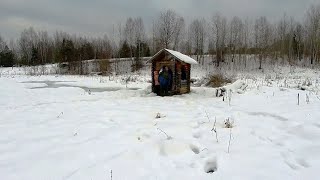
228 123
218 80
105 66
137 65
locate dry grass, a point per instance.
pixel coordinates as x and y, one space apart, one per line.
218 80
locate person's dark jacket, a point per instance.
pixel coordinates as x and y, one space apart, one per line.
164 78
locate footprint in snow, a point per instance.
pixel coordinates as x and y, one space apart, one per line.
302 162
293 166
194 148
316 125
253 133
196 134
296 163
211 165
195 125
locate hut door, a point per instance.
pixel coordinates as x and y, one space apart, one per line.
177 77
184 79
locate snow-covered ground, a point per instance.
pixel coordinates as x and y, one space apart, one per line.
78 127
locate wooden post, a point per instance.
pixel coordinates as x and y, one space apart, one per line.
298 99
152 76
188 77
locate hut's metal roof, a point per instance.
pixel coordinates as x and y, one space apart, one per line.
176 54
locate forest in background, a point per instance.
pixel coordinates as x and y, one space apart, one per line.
219 37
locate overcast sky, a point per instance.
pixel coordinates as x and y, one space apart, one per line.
97 17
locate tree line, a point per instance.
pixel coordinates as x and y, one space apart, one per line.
218 37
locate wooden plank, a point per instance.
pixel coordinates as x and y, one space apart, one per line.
160 64
184 83
183 90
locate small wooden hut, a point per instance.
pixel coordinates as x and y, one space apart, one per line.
179 65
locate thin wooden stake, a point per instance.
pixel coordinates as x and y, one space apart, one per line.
215 128
229 141
207 116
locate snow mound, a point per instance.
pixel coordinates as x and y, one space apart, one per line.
239 87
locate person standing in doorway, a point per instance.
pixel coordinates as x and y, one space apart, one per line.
164 81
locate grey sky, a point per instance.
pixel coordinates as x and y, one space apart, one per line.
97 17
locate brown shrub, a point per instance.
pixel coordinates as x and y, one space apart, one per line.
105 66
218 80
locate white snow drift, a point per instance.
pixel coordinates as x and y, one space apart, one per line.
68 131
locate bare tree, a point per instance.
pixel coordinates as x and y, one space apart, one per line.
139 40
247 36
27 45
2 43
153 39
139 33
298 39
178 33
44 45
186 44
282 31
197 34
219 36
129 34
102 48
168 29
235 37
313 32
262 38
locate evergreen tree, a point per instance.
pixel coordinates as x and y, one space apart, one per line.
34 56
125 50
6 57
86 51
67 50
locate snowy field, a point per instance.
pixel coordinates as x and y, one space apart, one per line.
82 128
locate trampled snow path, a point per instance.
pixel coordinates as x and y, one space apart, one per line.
66 133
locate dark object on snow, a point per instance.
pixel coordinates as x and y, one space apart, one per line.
220 92
158 116
176 78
